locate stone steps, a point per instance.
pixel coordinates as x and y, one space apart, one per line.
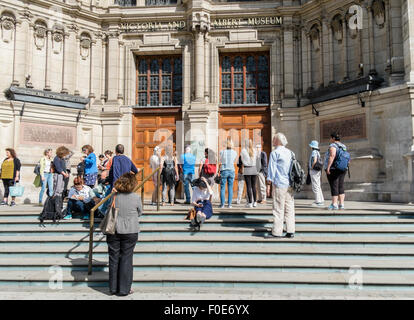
215 278
230 250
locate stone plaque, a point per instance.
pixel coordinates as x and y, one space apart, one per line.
352 127
47 135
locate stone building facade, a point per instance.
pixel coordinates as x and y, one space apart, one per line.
151 72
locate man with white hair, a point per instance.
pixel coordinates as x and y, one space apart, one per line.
188 161
280 162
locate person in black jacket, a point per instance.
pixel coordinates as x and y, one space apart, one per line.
60 173
10 174
261 186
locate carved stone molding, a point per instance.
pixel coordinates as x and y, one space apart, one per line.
40 35
315 38
85 46
378 11
337 28
7 25
57 40
200 21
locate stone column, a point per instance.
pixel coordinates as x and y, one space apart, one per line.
207 66
326 49
64 62
199 65
48 59
331 55
397 54
310 69
345 49
121 71
97 62
22 41
113 67
371 41
103 70
71 57
305 62
288 62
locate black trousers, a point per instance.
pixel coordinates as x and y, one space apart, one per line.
251 188
7 183
336 182
121 254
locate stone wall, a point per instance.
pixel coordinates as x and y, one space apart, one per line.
80 48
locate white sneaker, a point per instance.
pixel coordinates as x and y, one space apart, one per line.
238 201
249 205
230 206
255 204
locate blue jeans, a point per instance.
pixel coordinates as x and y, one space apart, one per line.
79 206
104 207
187 180
227 176
47 183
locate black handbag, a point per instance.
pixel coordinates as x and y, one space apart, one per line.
217 179
318 165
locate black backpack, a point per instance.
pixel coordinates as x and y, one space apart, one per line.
81 168
297 176
36 170
52 209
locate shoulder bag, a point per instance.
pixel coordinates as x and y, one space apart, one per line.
108 224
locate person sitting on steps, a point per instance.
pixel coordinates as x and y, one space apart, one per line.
201 199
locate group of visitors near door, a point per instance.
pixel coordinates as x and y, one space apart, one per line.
96 178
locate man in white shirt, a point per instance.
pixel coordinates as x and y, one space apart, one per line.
280 162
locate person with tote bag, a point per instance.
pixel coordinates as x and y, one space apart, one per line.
121 226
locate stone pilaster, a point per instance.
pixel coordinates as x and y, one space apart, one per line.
113 67
345 49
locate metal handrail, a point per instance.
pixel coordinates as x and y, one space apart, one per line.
92 217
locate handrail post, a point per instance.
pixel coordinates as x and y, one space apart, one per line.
142 189
91 225
158 189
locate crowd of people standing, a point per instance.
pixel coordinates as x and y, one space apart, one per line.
262 177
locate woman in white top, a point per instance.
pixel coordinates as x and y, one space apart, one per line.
154 164
250 170
46 175
201 199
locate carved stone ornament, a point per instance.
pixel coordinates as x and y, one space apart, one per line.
57 42
314 36
85 46
337 28
40 35
7 29
200 21
378 10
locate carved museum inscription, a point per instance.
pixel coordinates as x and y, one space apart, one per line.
47 134
351 127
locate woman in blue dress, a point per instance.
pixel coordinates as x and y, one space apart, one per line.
91 168
201 199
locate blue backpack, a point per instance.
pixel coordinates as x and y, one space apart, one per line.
342 158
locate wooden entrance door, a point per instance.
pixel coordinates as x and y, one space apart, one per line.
149 131
241 125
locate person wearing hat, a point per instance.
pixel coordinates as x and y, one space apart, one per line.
315 174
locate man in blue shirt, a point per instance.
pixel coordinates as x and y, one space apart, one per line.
280 162
121 164
188 161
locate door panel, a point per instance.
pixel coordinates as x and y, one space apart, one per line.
245 125
150 131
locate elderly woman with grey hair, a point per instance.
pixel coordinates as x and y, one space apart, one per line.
280 162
